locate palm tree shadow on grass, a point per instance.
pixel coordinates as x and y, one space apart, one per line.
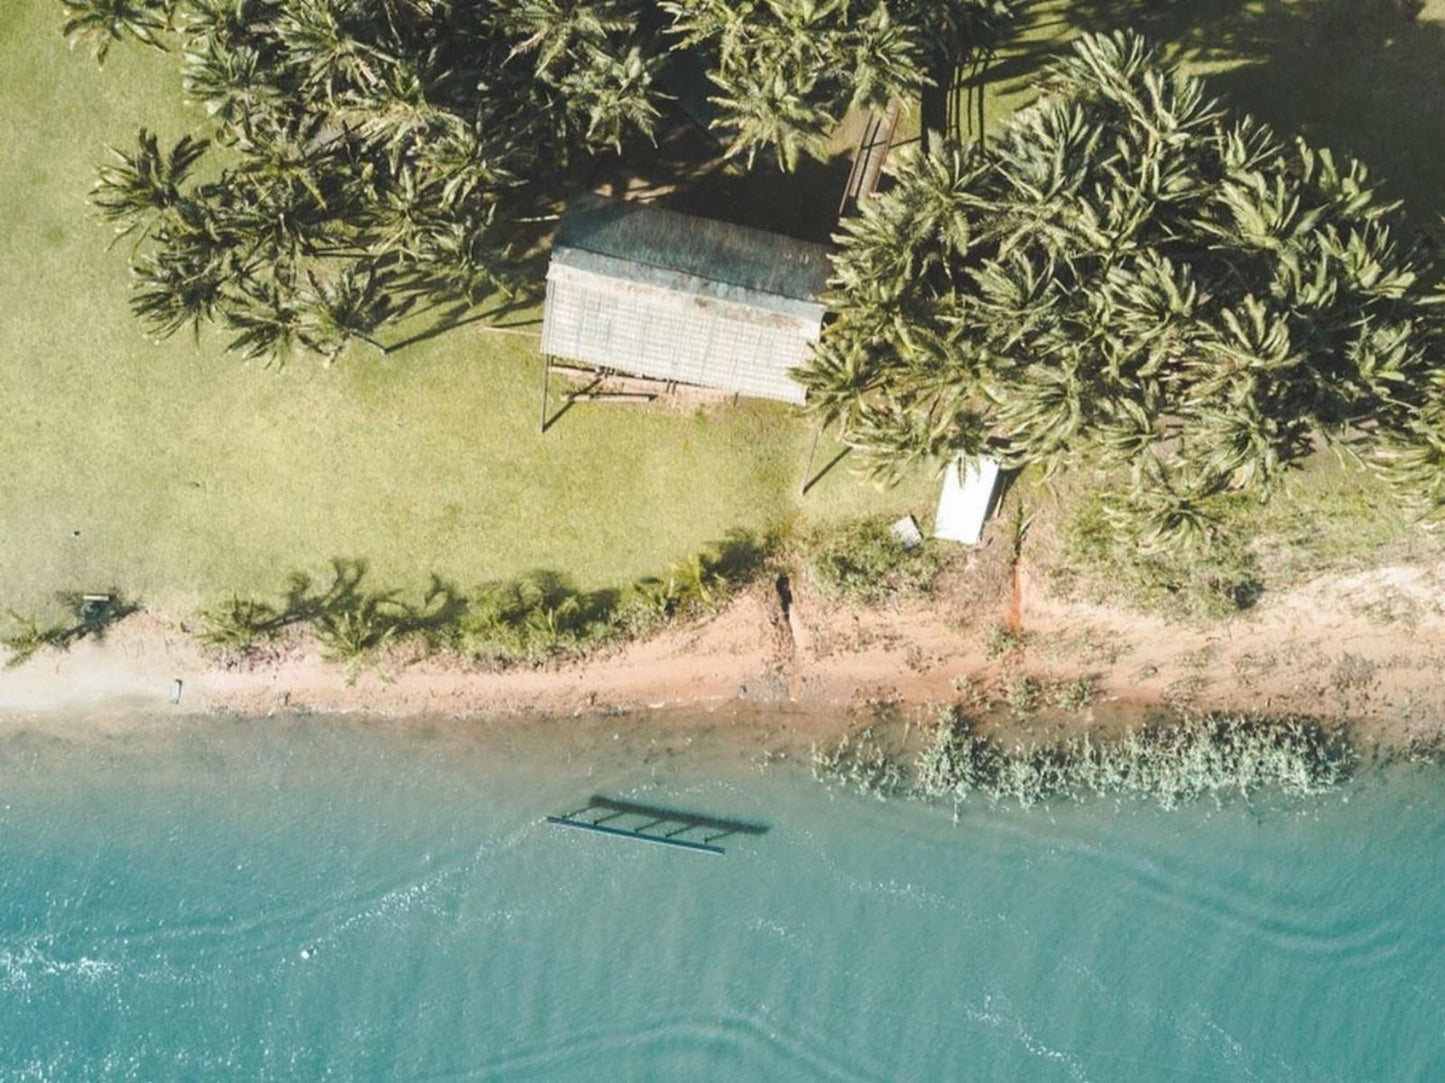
686 172
349 619
435 311
442 319
543 605
89 616
801 204
1357 81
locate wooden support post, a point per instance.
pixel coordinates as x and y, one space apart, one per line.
546 377
808 470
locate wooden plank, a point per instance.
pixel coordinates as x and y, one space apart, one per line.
878 152
868 157
611 396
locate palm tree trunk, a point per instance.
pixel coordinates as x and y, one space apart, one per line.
933 106
379 347
983 65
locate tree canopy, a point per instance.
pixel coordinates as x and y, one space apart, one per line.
370 154
1131 276
787 71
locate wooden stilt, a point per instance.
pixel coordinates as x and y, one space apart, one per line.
812 451
978 82
546 378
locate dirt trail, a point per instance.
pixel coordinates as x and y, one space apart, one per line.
1369 646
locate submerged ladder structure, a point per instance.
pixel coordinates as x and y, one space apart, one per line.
649 823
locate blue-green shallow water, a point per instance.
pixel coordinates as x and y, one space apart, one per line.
158 891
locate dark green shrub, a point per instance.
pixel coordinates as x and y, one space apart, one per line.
1002 639
237 624
27 637
1024 695
1075 694
864 562
1215 579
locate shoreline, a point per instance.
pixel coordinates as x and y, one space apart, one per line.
1365 649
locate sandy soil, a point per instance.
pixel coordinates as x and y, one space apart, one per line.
1369 648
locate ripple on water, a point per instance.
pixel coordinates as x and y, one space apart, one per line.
289 904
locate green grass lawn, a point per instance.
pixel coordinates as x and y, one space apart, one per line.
189 474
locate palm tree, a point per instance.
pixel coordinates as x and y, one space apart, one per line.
398 116
398 136
102 23
765 109
233 82
183 283
467 256
613 96
323 41
1127 278
839 377
1168 508
1410 456
883 61
555 33
352 305
139 187
468 164
269 323
787 70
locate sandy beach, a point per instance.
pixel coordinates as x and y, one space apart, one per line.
1368 648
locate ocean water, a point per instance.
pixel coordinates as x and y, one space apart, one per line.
310 899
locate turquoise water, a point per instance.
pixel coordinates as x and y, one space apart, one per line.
321 899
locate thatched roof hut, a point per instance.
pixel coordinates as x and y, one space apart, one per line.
655 293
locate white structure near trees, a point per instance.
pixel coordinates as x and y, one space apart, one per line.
969 488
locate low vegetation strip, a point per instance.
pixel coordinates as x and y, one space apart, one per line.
533 618
1171 763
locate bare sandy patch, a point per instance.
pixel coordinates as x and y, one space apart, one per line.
1368 648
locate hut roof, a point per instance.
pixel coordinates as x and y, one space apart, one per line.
703 256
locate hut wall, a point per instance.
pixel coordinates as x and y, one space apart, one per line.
670 334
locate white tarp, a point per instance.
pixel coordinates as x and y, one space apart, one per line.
963 507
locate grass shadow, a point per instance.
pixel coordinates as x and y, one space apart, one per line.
686 172
533 616
90 616
450 316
